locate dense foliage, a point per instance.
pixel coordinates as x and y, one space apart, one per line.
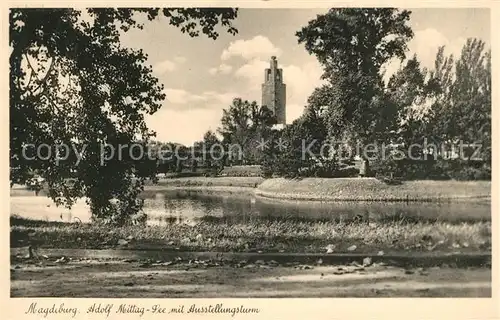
417 119
444 108
244 125
72 83
352 45
286 154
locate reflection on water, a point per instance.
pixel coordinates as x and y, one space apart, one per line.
197 205
190 207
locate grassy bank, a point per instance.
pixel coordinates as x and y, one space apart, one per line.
371 189
218 235
244 182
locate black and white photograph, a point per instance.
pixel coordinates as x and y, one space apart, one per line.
233 152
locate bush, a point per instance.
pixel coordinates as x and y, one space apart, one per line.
470 173
242 171
185 174
347 172
465 170
441 169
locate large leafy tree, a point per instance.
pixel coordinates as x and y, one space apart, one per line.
352 45
300 149
469 118
211 148
430 91
243 126
72 83
461 92
409 91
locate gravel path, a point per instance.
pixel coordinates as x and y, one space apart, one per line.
209 278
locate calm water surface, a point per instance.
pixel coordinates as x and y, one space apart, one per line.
193 206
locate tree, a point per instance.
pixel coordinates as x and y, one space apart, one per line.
300 149
409 92
470 112
73 84
461 110
352 45
451 102
211 153
243 125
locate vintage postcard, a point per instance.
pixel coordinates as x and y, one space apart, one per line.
243 159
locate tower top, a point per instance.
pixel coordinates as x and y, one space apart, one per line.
273 63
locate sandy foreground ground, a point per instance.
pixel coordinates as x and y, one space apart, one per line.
198 279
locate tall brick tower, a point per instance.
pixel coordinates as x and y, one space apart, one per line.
274 91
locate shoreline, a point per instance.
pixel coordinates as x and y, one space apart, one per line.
307 198
324 189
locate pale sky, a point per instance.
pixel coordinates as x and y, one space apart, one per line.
202 76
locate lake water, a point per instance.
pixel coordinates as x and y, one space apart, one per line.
181 206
